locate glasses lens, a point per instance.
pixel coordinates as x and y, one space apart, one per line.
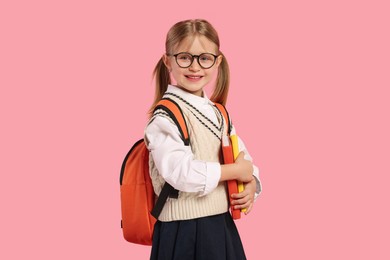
206 60
184 59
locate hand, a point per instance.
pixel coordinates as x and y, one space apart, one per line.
245 168
241 170
246 198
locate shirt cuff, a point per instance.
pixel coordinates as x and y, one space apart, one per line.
212 177
258 187
258 182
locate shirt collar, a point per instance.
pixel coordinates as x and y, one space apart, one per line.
191 98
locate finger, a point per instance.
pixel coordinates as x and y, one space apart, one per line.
240 195
242 200
245 201
249 209
243 206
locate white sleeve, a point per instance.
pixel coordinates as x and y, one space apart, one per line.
247 156
175 161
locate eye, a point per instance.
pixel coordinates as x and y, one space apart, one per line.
206 57
184 57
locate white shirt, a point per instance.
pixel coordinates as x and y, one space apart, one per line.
175 161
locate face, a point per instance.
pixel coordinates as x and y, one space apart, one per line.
194 78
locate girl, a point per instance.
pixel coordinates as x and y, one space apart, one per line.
197 224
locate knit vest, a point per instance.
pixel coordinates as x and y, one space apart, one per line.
205 143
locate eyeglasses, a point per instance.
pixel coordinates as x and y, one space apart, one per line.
185 59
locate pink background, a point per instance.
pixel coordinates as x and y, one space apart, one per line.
309 96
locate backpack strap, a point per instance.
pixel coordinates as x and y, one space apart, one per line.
221 108
175 113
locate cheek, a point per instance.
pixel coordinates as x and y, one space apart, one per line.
212 70
176 74
176 71
175 68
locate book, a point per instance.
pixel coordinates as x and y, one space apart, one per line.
236 151
232 185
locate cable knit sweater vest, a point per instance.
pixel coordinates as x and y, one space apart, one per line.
205 142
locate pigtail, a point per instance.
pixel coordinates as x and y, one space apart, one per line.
162 80
221 90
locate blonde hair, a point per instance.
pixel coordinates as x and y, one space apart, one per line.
175 36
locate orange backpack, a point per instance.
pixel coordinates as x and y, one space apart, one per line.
140 206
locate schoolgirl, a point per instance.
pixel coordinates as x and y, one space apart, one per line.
197 224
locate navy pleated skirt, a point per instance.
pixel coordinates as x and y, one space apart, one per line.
209 238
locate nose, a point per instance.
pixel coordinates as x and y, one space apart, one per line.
195 66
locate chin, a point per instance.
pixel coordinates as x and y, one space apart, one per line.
191 89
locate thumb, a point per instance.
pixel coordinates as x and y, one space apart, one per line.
240 155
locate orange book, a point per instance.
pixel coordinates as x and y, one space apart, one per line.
228 157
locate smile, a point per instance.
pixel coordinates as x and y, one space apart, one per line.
193 77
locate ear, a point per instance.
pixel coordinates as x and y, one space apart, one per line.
219 60
167 62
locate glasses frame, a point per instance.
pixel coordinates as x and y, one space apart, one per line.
193 57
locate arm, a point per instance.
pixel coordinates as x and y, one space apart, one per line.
175 161
252 189
241 170
247 156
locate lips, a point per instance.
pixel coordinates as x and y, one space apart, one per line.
193 76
